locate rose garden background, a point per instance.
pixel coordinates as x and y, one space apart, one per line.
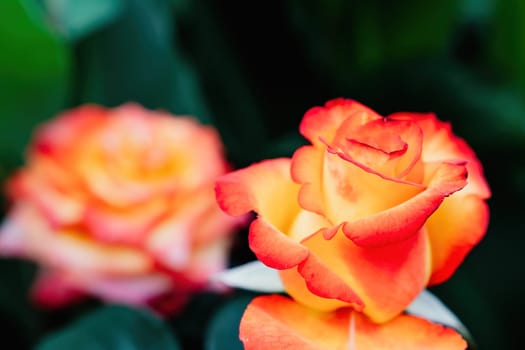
252 70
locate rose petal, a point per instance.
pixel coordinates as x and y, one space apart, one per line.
405 220
58 138
265 188
296 287
211 223
51 290
339 190
477 184
59 288
134 290
440 144
273 247
61 207
276 322
136 156
404 333
325 283
391 148
172 245
170 242
208 260
307 170
195 222
323 122
454 229
128 225
351 193
402 268
25 233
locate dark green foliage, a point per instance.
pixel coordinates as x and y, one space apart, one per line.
220 334
113 328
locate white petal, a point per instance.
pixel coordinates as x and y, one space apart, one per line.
253 276
428 306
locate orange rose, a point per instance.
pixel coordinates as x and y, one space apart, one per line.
369 214
276 322
119 204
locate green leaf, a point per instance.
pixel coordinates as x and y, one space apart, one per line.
18 319
229 93
137 58
77 19
508 39
34 74
477 10
223 330
456 94
283 146
129 60
349 37
113 328
187 97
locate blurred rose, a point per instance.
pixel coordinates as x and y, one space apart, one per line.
119 204
276 322
361 216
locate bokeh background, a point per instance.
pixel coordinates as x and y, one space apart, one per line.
252 69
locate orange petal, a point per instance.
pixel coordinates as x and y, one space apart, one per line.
325 283
26 233
402 269
323 122
138 154
273 247
295 285
440 144
170 242
51 290
406 333
194 222
258 188
60 208
404 220
208 260
458 225
276 322
124 225
389 147
58 138
214 223
265 188
477 184
307 170
351 193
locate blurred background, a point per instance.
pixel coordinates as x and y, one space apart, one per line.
252 69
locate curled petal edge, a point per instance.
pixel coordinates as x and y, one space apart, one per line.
405 220
324 283
239 191
263 240
319 279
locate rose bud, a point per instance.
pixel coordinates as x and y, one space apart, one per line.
370 213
